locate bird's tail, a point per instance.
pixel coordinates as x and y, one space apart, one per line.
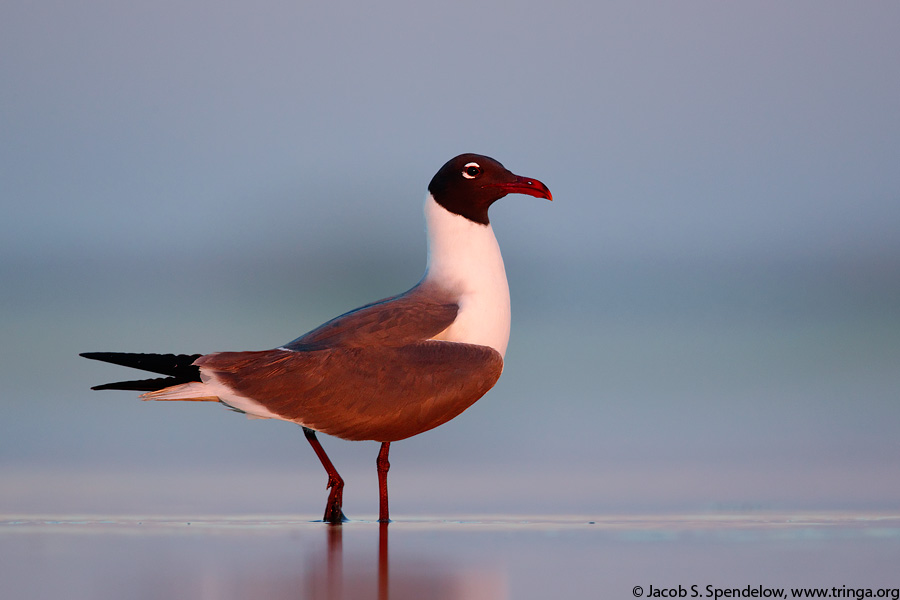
178 368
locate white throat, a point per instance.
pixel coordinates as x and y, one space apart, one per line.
464 259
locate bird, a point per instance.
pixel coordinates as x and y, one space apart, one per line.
390 369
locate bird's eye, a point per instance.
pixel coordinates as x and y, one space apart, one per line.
471 170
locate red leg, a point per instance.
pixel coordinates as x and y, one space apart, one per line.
333 512
383 466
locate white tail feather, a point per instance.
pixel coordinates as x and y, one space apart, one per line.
212 390
194 391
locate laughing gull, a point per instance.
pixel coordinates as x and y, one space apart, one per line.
388 370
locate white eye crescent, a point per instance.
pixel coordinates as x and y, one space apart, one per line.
471 170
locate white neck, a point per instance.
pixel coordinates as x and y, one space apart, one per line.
464 259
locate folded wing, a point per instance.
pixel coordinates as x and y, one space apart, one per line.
360 393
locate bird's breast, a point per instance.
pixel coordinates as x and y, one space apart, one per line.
481 320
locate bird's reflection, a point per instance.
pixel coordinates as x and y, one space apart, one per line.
330 575
383 568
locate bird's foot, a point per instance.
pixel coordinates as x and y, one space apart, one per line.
333 512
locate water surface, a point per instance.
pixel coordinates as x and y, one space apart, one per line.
471 557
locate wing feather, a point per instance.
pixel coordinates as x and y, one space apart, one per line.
362 393
419 314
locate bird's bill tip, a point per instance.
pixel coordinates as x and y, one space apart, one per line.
527 185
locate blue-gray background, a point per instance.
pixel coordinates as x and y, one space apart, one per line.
708 315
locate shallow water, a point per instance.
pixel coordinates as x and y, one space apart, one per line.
472 557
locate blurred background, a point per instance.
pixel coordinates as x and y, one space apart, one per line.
706 318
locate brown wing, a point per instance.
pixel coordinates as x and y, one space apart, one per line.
419 314
362 393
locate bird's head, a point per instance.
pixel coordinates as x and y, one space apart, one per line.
468 184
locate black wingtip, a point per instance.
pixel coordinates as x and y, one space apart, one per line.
178 367
175 365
